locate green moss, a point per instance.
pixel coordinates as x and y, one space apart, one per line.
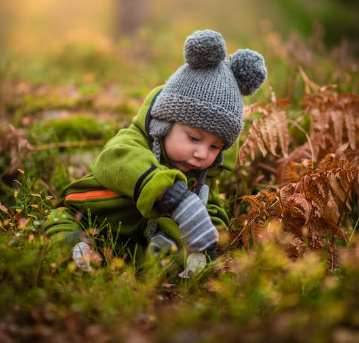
80 128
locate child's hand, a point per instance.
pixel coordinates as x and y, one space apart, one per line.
188 211
203 194
197 230
161 243
81 254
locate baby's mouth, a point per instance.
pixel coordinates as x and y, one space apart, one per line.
191 166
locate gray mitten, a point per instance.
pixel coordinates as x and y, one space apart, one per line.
203 194
188 211
161 243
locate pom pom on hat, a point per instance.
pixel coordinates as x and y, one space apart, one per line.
204 49
249 69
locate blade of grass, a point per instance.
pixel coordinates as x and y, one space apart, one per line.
351 235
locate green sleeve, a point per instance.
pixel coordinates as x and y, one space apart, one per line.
215 208
128 167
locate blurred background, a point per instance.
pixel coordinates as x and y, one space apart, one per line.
134 42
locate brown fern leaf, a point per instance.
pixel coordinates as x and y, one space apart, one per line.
263 200
344 179
254 201
316 188
295 171
350 125
271 139
282 129
297 210
333 207
267 131
337 119
288 172
257 207
257 137
309 204
321 227
285 192
261 205
248 147
334 116
320 125
268 197
291 173
342 157
342 168
340 189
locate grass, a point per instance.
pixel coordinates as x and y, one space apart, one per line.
257 294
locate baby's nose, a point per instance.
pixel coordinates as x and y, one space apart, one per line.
201 152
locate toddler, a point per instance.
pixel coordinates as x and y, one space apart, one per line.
153 187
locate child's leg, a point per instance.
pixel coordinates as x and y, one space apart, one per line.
65 231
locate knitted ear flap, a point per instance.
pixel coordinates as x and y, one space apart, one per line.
204 49
249 69
157 130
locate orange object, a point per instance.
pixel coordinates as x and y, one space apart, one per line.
92 195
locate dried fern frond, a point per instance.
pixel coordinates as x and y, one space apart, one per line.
266 132
306 209
297 164
335 117
249 146
262 204
317 181
344 179
263 207
316 189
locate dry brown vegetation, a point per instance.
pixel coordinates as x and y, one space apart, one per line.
316 182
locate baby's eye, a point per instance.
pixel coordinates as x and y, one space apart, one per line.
215 147
193 138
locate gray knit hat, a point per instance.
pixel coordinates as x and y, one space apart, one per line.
206 92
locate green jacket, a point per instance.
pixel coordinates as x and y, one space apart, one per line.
119 196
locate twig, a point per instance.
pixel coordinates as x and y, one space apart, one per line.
264 166
307 81
235 239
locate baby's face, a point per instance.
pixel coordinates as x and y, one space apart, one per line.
190 148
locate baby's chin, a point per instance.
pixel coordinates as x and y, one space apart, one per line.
185 167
